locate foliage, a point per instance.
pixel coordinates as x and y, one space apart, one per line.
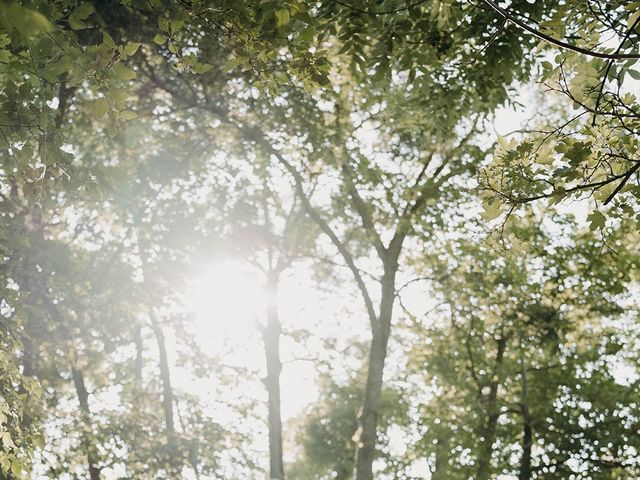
520 359
139 140
587 148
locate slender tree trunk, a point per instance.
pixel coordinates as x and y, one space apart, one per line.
137 367
486 447
28 356
271 336
527 442
85 412
167 391
370 413
489 430
443 452
193 454
173 457
527 434
83 399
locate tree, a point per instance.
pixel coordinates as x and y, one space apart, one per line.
326 431
137 138
512 346
587 148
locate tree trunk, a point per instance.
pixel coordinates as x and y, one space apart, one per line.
137 367
172 456
527 442
85 413
443 452
167 391
527 434
271 337
489 430
28 356
370 413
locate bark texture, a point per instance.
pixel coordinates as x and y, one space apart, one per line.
167 391
85 413
488 432
271 337
527 433
370 413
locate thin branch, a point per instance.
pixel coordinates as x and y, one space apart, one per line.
383 12
555 41
609 65
363 211
326 229
625 179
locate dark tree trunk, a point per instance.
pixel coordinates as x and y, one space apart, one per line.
443 452
271 336
527 442
527 434
370 413
167 391
85 412
172 456
28 357
83 398
488 432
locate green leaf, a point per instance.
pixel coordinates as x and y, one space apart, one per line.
39 442
83 11
16 468
100 107
307 34
173 48
28 22
77 24
124 73
635 74
596 220
107 40
492 209
160 39
282 17
119 95
232 64
201 67
131 48
79 14
7 440
632 19
128 115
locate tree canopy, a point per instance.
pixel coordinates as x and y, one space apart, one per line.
211 211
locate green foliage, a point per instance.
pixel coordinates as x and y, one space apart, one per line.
521 339
586 145
138 139
326 430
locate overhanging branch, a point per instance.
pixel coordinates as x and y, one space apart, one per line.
555 41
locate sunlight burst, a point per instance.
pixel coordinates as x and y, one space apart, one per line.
227 298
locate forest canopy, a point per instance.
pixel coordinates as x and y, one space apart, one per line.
313 240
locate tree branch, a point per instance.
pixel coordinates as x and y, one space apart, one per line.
326 229
363 211
555 41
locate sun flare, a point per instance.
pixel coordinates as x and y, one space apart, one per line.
227 297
